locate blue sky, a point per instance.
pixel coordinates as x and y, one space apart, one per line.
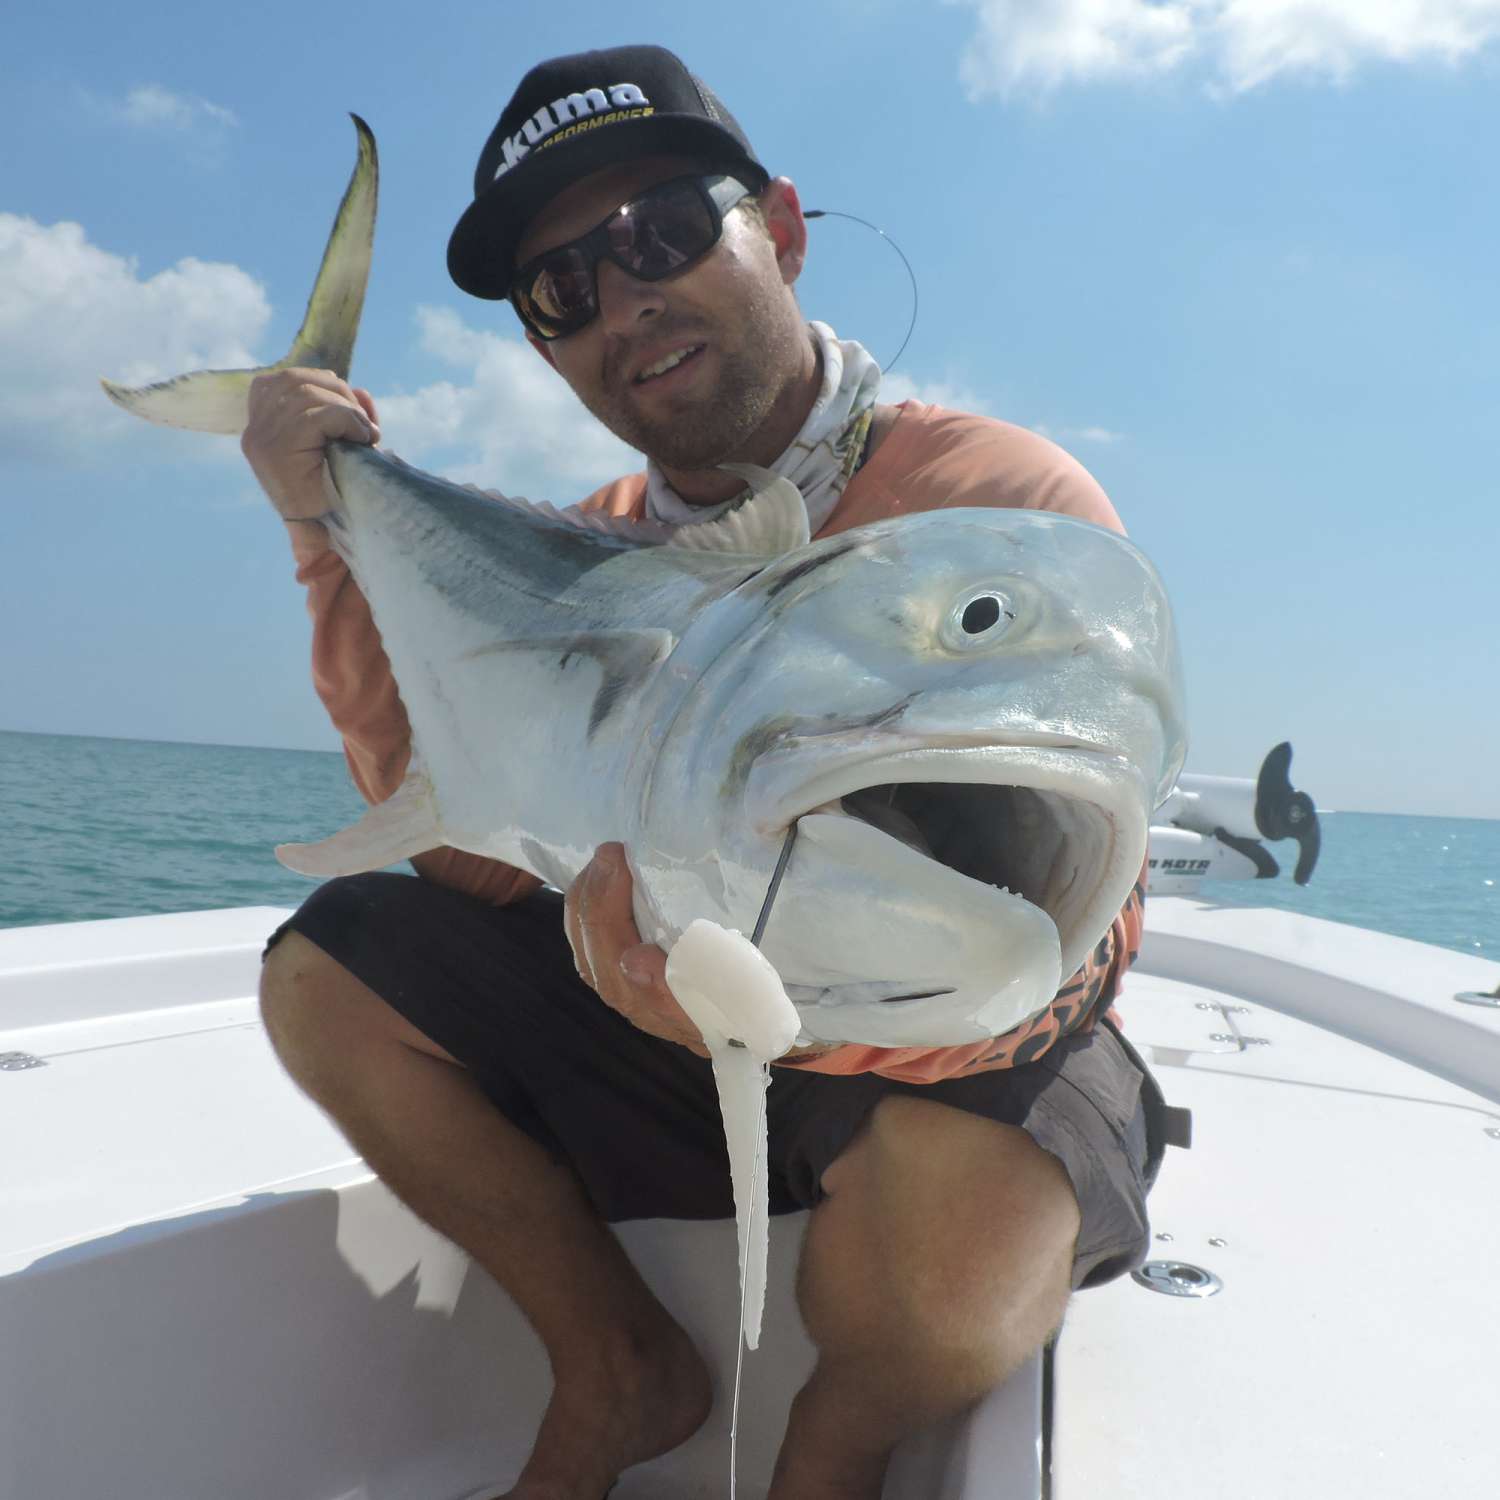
1237 255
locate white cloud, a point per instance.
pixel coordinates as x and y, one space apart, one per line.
153 107
1048 42
509 423
1071 437
902 387
71 312
1257 39
1241 44
958 397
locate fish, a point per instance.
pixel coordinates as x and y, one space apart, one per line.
967 715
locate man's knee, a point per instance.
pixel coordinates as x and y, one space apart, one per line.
322 1020
973 1218
300 987
931 1149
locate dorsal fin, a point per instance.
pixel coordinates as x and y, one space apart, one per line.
773 521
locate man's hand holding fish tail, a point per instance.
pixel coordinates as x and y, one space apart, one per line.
293 415
487 1048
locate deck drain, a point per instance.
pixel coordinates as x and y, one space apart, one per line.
1176 1278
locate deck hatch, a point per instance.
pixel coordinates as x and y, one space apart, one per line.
1176 1278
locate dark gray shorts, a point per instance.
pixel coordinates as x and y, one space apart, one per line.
638 1118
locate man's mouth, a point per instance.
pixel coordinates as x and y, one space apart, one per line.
667 363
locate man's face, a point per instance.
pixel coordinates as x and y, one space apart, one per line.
731 316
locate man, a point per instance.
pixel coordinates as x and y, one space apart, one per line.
958 1194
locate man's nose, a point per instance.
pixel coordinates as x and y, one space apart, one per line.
625 301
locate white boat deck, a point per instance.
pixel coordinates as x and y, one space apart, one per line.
203 1293
1350 1203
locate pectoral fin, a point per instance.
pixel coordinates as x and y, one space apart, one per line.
404 824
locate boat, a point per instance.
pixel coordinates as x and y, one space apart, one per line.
205 1295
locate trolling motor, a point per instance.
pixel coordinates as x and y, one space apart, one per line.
1211 827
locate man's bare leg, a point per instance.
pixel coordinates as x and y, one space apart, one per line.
938 1263
628 1383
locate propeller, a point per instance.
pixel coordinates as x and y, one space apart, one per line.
1281 812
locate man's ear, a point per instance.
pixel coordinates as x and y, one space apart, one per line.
542 347
782 211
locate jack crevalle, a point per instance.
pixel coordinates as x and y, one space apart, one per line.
968 714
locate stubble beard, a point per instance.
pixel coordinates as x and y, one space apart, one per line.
711 430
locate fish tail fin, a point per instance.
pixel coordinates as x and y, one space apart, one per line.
217 400
329 326
403 825
205 401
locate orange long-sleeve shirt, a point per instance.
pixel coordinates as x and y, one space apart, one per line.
931 459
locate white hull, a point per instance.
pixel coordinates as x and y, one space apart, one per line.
204 1295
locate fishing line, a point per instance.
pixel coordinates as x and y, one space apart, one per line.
739 1343
834 213
765 910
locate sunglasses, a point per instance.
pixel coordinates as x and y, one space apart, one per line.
661 232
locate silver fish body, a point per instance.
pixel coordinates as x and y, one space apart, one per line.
972 804
968 714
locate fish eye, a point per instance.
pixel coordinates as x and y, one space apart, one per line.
979 619
980 614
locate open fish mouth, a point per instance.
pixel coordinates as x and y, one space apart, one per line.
1049 824
1045 847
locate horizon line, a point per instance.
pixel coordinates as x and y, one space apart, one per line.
127 739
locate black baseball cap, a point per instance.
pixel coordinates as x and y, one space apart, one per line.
569 117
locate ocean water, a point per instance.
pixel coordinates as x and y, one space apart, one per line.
116 828
121 828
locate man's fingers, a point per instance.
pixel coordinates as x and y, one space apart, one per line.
281 397
573 929
320 425
628 975
607 904
275 386
273 382
601 888
294 414
367 401
645 965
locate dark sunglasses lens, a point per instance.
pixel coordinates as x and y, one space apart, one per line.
662 232
559 295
